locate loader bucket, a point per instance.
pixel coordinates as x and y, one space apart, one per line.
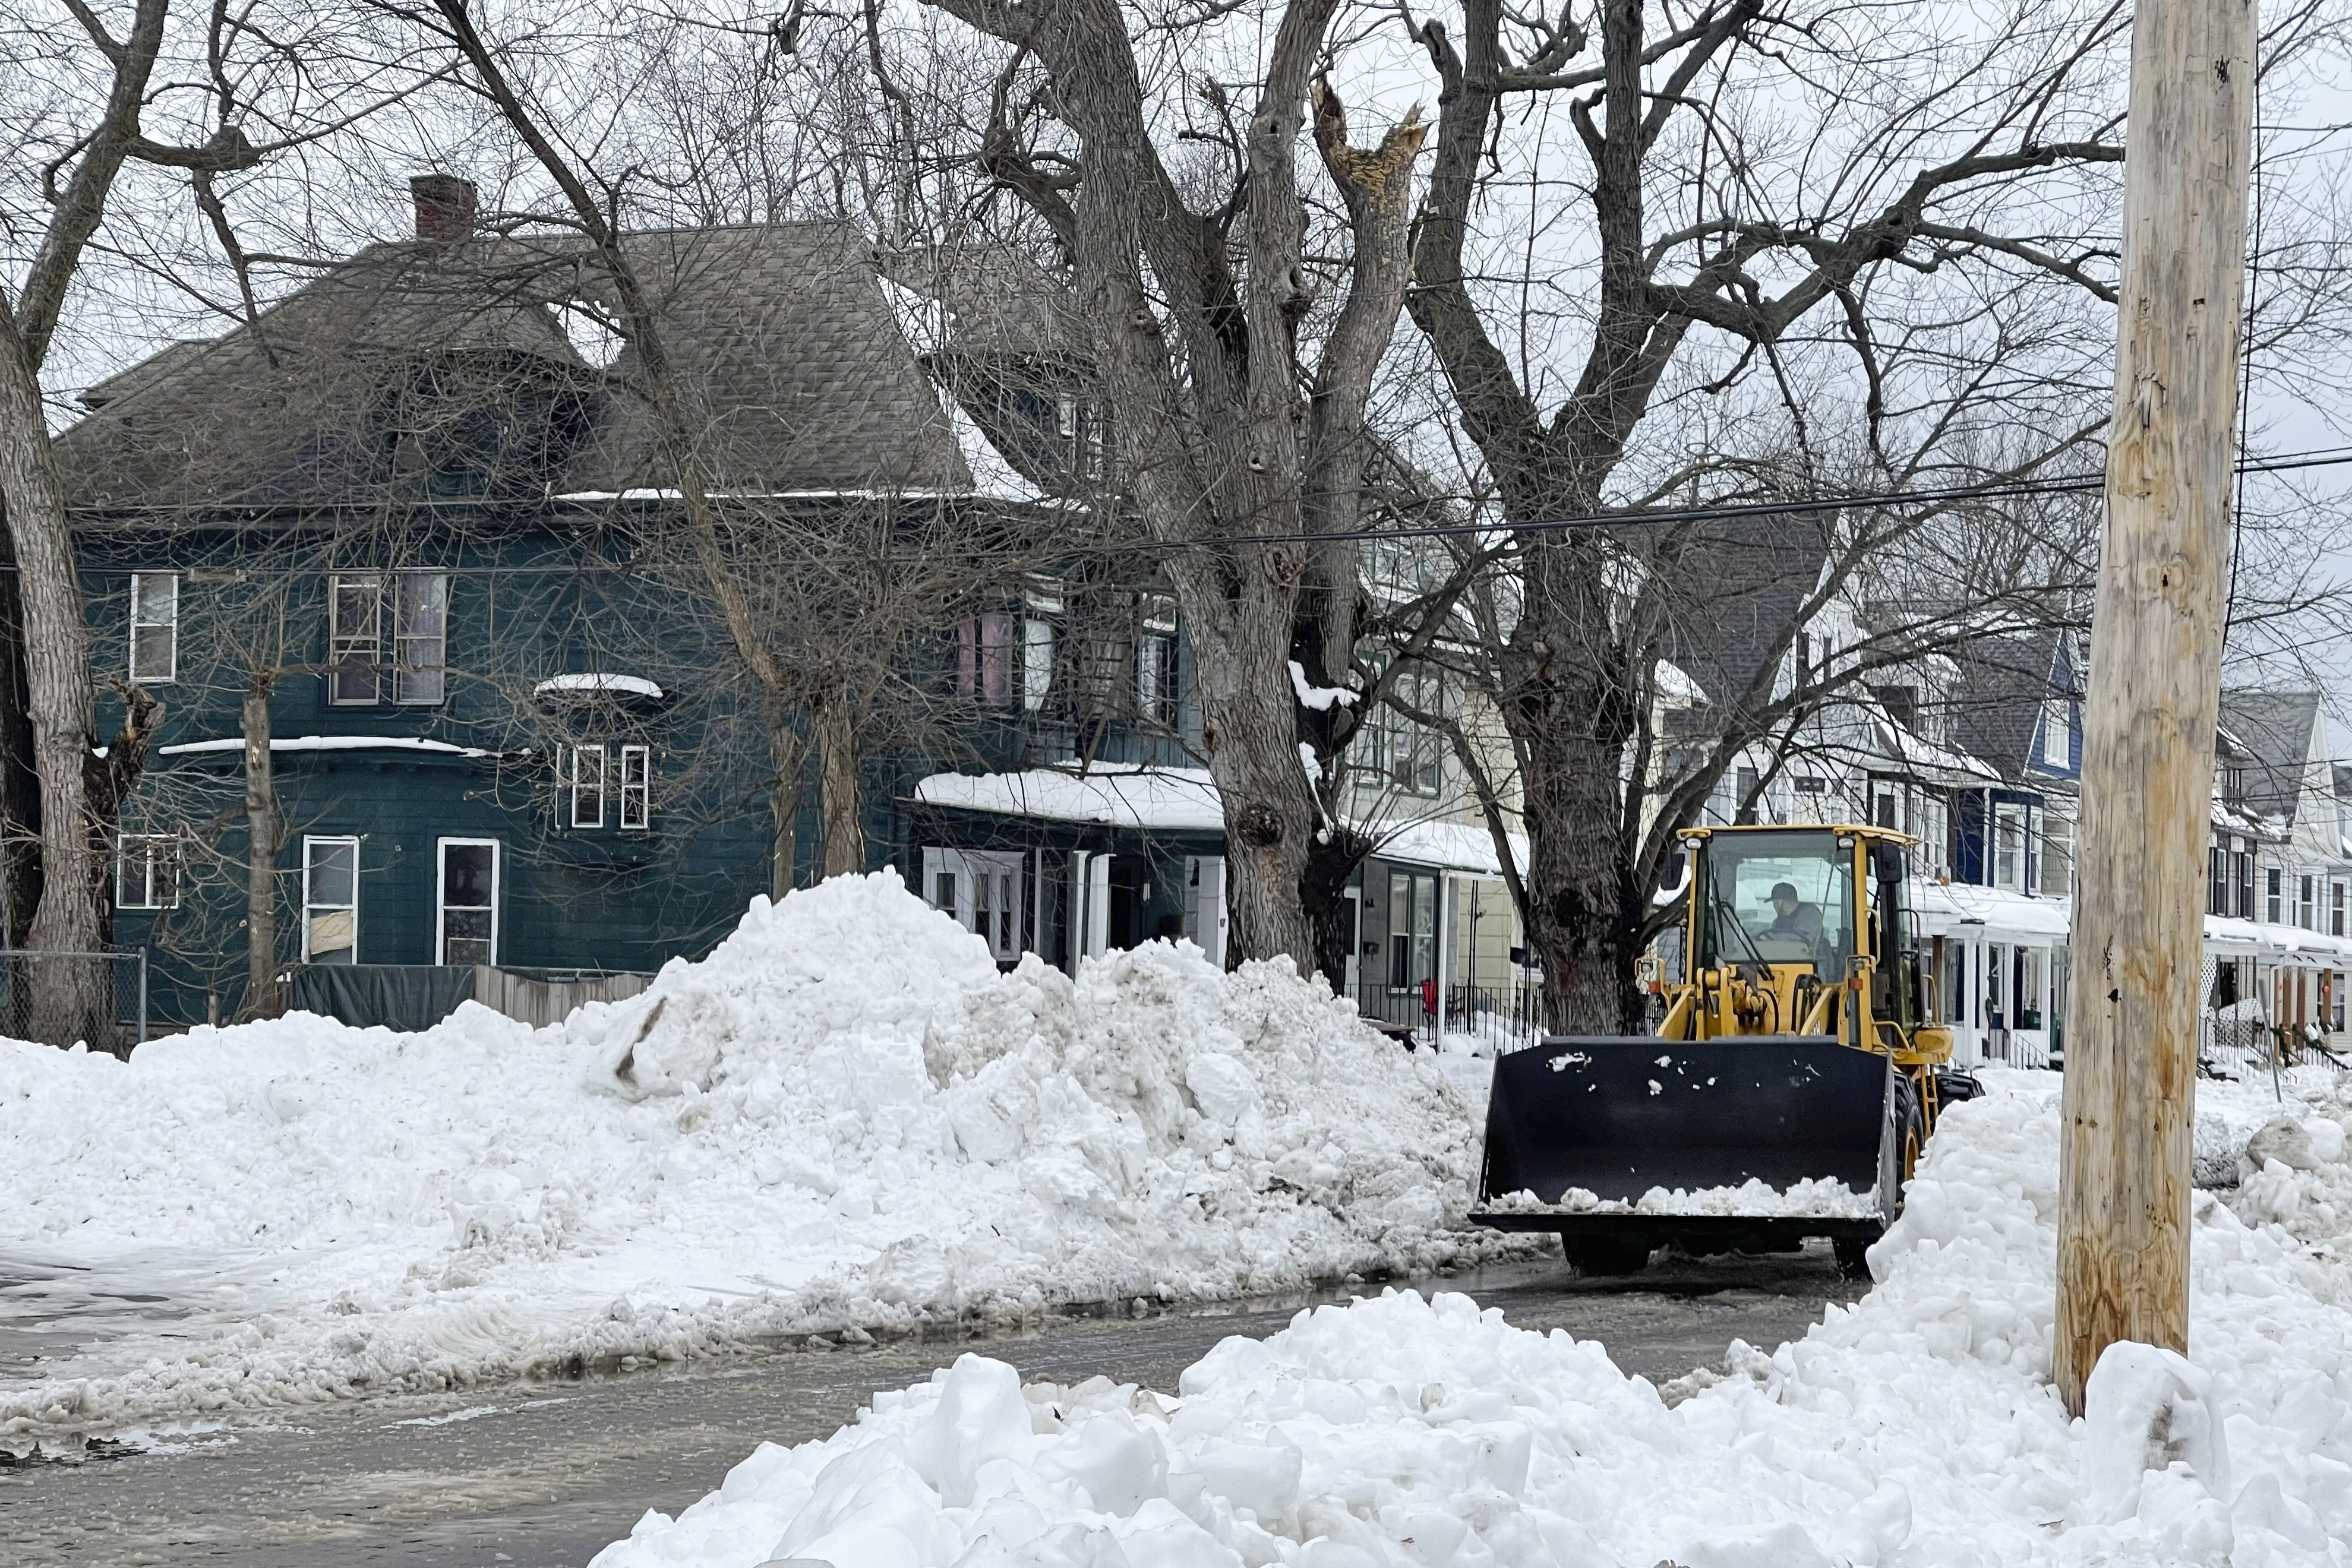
1618 1115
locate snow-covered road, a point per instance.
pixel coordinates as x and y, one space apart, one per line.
548 1473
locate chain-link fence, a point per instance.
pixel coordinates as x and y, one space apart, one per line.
56 997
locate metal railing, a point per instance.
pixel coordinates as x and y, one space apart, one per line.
56 997
1497 1018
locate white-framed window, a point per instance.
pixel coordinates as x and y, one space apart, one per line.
387 636
1413 928
583 786
330 900
636 787
2057 867
466 902
2008 848
1066 417
355 637
1155 662
1155 677
147 871
2306 908
2336 909
420 636
1404 753
1036 661
2274 895
2057 732
154 627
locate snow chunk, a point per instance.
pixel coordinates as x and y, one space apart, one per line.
1917 1428
1320 699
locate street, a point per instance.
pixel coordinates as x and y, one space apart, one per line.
543 1475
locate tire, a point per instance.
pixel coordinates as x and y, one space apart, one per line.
1605 1258
1912 1141
1852 1254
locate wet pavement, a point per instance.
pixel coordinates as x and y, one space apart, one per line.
544 1474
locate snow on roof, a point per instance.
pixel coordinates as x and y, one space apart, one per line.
1171 800
1933 762
1455 846
330 743
1185 800
1944 907
628 685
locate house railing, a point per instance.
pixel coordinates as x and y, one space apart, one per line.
1490 1017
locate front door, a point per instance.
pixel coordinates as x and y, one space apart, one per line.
467 928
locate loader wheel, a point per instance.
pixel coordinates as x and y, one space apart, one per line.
1587 1256
1852 1263
1914 1136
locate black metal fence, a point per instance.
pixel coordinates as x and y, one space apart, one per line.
1497 1018
57 997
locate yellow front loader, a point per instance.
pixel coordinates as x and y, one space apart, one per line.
1797 1048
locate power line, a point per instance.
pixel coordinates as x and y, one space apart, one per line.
1730 511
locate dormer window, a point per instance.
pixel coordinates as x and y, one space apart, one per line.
2057 733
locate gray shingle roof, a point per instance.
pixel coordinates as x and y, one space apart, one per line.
414 369
1734 589
2004 681
2276 728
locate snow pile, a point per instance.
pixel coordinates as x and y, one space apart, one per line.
845 1117
1917 1428
1812 1196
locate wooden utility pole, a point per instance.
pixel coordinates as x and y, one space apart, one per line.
2155 689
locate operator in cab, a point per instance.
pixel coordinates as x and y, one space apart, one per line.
1793 918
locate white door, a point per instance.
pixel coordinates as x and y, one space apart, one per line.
466 926
982 888
1204 906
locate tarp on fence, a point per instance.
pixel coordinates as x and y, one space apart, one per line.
397 995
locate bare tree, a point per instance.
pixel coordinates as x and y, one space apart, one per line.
239 73
1860 288
1234 310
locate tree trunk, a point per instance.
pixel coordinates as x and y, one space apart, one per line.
844 830
1249 729
1566 702
20 792
263 833
69 999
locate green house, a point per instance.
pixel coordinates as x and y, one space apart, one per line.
415 525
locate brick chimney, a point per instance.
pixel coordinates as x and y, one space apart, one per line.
445 207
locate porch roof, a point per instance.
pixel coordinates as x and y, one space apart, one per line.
1165 799
1999 916
1185 800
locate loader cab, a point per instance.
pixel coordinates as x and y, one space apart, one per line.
1784 897
1800 931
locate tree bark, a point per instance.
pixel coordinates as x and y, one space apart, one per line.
1248 726
70 1001
2128 1110
264 835
20 786
843 828
1573 713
